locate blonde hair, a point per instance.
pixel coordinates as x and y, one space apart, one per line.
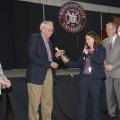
45 23
113 24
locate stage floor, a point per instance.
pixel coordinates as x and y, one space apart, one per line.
22 72
66 94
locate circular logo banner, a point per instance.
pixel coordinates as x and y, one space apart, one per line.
72 17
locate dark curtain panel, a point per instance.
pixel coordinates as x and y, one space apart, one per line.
7 8
27 19
115 3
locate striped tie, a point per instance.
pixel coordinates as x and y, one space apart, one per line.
48 51
110 45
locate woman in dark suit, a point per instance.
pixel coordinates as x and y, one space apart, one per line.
92 74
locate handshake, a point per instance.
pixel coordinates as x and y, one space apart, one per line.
61 53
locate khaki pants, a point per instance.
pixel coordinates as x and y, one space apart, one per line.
41 94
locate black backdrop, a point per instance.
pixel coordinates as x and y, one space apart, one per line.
20 19
115 3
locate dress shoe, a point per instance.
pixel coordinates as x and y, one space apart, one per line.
108 117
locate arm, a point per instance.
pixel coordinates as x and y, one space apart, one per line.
98 56
33 53
76 64
115 65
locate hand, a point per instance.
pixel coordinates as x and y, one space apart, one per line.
2 82
54 65
7 83
59 53
85 50
109 67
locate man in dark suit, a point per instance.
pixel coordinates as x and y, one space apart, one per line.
39 73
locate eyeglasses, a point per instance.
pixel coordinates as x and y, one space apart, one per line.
110 28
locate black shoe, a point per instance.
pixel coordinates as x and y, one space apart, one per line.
118 116
113 118
108 117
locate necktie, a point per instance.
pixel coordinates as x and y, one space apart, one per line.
48 51
110 45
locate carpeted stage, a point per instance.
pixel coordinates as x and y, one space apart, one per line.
14 103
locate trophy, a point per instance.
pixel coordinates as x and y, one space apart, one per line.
64 57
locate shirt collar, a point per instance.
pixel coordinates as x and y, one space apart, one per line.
45 40
113 38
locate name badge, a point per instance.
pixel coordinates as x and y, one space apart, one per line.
89 69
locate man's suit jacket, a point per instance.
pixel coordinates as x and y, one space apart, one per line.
38 62
97 63
113 57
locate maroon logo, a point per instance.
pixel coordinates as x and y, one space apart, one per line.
72 17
